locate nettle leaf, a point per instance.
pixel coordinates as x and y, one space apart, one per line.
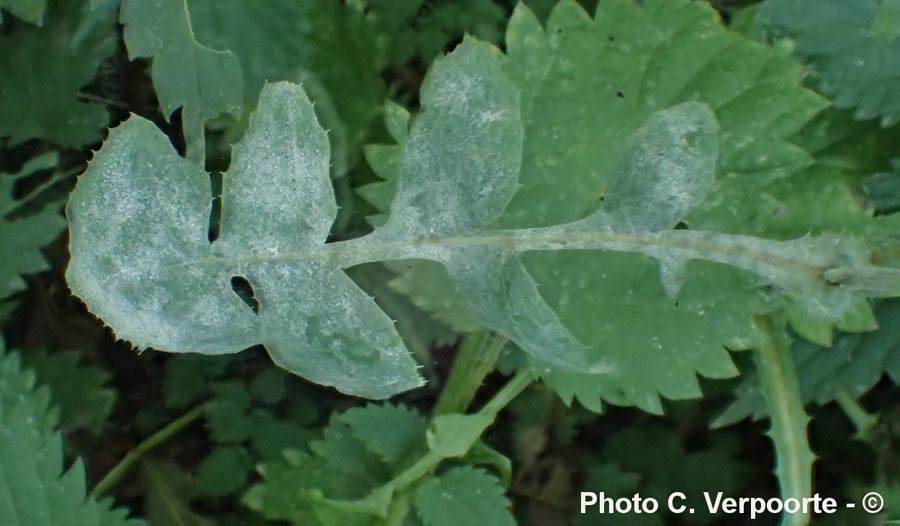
460 494
50 65
22 231
28 10
36 490
203 82
852 48
141 260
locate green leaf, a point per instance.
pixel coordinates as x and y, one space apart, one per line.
36 490
394 433
587 85
223 471
852 365
416 29
851 46
203 82
22 231
227 415
615 483
80 391
653 460
169 491
305 485
460 494
50 65
330 49
28 10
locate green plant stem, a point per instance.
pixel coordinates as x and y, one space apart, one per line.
508 393
778 379
134 456
862 420
477 355
378 502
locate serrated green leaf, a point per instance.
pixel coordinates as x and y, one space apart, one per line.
325 45
50 65
24 232
460 494
223 471
81 393
227 414
28 10
653 56
269 386
203 82
394 433
851 47
36 491
308 487
415 29
852 365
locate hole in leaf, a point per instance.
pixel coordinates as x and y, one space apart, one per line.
242 288
682 226
215 214
620 94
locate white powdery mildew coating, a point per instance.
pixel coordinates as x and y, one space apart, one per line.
277 195
142 261
668 168
460 164
140 212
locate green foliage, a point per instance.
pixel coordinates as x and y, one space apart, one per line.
37 491
24 230
50 65
851 46
603 211
460 494
332 51
688 55
203 82
651 461
124 262
851 365
168 496
30 10
79 391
